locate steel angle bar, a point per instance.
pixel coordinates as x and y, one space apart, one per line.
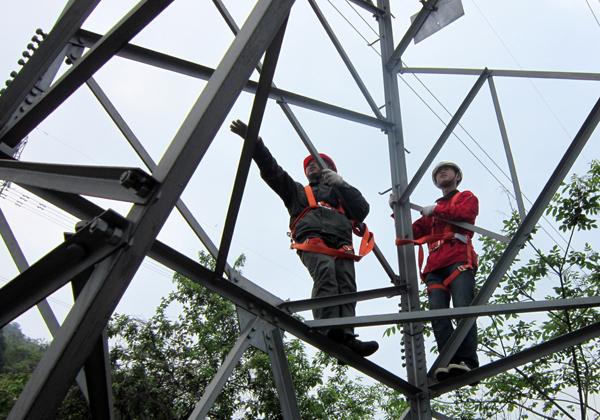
457 313
523 232
97 367
394 63
338 46
99 54
216 384
302 305
48 51
275 316
509 157
530 74
115 183
281 374
509 362
469 226
91 244
251 137
369 6
404 196
88 317
156 59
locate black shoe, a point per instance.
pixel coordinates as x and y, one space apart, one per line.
338 336
458 369
441 374
363 348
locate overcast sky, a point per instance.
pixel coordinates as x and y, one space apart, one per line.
542 116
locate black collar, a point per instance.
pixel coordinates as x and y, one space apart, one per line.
447 196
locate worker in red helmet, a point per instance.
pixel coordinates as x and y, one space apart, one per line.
451 264
321 231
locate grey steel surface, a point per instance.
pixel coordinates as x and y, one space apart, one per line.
281 374
509 362
369 6
457 313
531 74
520 237
302 305
446 12
181 66
47 53
250 140
405 195
115 183
212 390
507 150
84 249
346 59
237 293
416 366
89 315
394 62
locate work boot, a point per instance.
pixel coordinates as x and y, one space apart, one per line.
457 369
363 348
441 374
339 336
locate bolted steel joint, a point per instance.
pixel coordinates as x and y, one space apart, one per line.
137 182
112 235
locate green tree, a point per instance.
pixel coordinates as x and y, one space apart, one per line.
564 384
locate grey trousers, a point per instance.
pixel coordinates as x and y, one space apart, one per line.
331 276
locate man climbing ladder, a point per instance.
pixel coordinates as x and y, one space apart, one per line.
451 263
323 216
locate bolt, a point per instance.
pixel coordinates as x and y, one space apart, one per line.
26 54
31 47
21 62
36 39
270 347
40 32
7 82
13 74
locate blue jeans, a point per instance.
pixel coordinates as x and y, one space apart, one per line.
462 291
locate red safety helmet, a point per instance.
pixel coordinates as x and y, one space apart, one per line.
326 158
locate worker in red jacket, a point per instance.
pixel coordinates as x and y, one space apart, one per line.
451 263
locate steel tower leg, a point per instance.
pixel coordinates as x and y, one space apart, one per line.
416 365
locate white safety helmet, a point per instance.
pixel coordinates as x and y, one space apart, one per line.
446 163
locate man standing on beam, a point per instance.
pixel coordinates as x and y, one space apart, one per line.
451 263
323 216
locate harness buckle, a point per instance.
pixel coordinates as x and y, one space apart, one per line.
462 268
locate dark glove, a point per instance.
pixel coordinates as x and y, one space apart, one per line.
239 127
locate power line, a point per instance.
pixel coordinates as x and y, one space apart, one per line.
592 11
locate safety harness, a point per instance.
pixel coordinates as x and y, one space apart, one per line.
434 242
317 245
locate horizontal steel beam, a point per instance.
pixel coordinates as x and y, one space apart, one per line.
240 297
314 303
178 65
114 183
509 362
103 51
368 6
90 245
457 313
46 54
530 74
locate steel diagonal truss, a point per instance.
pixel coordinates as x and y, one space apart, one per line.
106 251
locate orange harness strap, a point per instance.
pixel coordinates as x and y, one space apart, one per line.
319 246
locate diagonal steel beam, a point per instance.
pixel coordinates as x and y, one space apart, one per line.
457 313
338 46
156 59
369 6
100 53
251 137
404 196
532 74
82 250
520 237
394 63
115 183
91 312
509 362
49 50
509 157
245 299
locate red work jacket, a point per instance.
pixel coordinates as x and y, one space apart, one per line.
457 206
